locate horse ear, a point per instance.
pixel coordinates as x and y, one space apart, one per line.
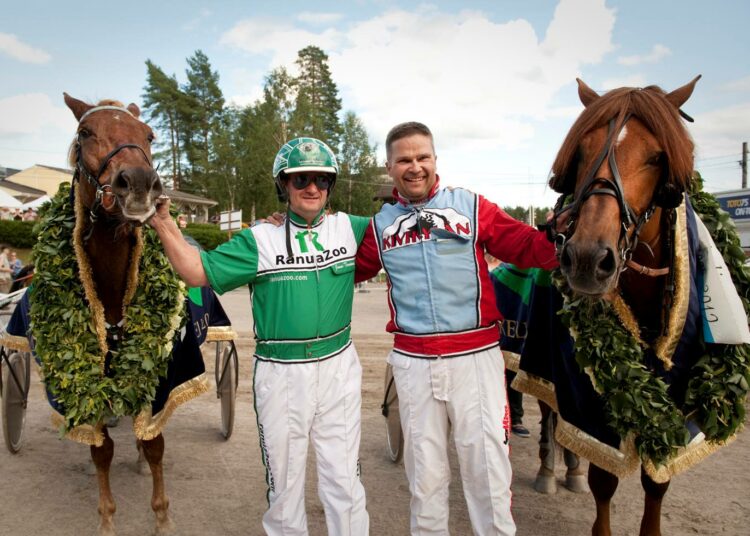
585 93
133 109
77 107
679 96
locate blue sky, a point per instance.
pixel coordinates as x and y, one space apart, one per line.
495 80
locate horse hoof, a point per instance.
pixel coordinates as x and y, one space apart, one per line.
164 526
545 484
106 529
576 483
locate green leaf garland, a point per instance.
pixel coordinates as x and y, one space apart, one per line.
635 399
64 326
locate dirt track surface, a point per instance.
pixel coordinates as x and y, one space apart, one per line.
217 487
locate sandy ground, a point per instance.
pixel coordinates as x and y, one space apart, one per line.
217 487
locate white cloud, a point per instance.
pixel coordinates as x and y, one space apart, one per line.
740 85
466 76
16 49
281 41
33 113
722 131
312 17
657 53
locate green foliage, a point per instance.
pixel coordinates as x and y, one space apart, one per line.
207 235
17 234
64 326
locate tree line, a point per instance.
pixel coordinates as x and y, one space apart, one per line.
206 147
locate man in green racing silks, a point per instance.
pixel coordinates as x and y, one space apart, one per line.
307 380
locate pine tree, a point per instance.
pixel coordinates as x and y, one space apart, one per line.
204 120
358 179
317 103
165 107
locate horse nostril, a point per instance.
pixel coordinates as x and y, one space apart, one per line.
156 186
607 264
121 182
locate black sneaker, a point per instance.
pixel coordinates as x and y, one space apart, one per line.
520 430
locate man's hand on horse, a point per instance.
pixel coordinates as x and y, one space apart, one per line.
277 219
162 211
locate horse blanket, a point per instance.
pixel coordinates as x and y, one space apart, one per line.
185 377
532 328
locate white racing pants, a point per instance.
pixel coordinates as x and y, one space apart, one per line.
296 403
468 394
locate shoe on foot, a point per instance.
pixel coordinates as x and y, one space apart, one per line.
520 430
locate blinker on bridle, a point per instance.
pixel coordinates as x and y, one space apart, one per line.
614 188
104 196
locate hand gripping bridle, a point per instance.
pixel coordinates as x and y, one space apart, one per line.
104 196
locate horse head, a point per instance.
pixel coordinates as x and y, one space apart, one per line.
627 157
112 152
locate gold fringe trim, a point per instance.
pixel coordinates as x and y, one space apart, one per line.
512 360
686 457
665 346
220 333
84 271
537 387
84 433
135 263
620 462
627 318
14 342
147 426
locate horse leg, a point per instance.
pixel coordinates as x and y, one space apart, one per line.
575 479
545 478
102 458
603 486
141 465
651 522
153 450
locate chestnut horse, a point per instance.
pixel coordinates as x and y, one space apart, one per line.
119 188
624 167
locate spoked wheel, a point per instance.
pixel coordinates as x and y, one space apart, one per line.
15 385
394 437
226 384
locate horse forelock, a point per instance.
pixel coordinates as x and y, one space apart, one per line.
651 107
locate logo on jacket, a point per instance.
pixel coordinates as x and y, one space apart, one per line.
415 227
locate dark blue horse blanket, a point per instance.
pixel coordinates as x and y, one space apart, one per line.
186 367
548 370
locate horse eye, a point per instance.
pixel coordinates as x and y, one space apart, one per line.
84 133
655 160
151 138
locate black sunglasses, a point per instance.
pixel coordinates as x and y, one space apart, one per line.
300 182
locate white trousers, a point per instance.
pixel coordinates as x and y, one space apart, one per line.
468 394
296 403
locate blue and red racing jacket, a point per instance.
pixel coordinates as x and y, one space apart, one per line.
439 292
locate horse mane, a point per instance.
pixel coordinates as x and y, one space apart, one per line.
72 148
651 107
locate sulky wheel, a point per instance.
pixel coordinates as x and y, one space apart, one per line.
226 384
15 386
394 437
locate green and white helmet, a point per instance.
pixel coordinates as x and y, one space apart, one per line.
301 155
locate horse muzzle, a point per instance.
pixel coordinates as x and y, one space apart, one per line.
137 190
589 269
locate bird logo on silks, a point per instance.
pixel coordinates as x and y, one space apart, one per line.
415 227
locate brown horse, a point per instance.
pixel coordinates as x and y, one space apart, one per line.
625 164
118 187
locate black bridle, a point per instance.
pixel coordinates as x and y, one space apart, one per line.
102 190
613 187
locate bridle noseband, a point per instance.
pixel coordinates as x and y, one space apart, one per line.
612 187
104 196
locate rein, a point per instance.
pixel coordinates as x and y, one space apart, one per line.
614 188
104 196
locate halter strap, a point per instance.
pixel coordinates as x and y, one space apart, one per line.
106 107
